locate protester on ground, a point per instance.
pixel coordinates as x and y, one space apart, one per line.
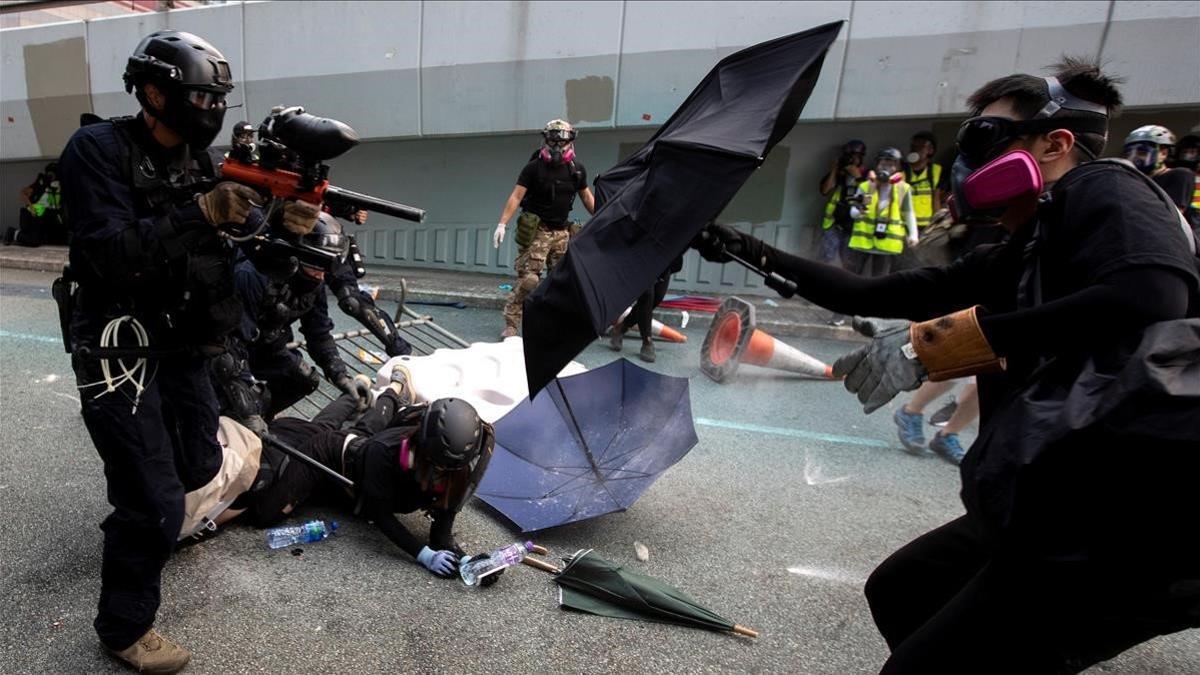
643 314
545 192
401 457
152 270
1078 540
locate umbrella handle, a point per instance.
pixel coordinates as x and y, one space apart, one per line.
540 550
540 564
742 630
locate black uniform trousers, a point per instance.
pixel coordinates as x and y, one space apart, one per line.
946 603
288 377
152 455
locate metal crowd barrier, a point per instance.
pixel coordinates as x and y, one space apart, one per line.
364 353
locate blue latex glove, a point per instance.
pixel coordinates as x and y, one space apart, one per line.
441 563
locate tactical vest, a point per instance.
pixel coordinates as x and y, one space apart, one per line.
281 306
862 236
923 186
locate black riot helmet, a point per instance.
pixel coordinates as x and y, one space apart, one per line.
326 238
450 435
243 131
193 76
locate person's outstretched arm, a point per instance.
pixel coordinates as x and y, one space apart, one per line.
914 294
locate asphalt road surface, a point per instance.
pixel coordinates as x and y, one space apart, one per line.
774 520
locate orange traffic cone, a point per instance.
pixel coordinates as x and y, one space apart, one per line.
658 329
733 339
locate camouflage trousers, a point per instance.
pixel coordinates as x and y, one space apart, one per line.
546 249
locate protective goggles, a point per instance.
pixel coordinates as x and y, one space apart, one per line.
559 135
206 100
981 139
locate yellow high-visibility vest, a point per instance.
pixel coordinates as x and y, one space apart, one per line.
1196 194
834 198
923 186
862 236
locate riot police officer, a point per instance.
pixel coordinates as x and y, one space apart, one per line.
357 303
276 291
154 298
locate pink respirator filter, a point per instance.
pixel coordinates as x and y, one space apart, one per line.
1010 178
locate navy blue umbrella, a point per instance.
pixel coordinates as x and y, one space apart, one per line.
588 445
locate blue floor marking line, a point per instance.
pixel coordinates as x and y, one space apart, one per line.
793 433
27 336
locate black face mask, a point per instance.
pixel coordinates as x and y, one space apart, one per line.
197 127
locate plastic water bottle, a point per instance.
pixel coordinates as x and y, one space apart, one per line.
313 530
497 560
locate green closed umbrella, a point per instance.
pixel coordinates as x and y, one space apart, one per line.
589 583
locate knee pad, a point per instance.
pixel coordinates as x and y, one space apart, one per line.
225 367
529 282
349 305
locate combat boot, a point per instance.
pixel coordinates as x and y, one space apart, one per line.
153 653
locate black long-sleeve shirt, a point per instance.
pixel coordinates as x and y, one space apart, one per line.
1113 259
386 490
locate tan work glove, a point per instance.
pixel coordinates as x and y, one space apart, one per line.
300 217
228 202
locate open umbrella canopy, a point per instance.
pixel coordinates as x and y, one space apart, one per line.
589 445
650 206
589 583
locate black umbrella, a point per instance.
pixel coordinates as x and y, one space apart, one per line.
651 205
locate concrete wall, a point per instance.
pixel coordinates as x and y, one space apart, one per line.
448 96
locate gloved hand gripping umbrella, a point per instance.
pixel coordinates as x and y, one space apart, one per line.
651 206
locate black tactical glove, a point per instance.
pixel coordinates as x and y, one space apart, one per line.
717 242
358 386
